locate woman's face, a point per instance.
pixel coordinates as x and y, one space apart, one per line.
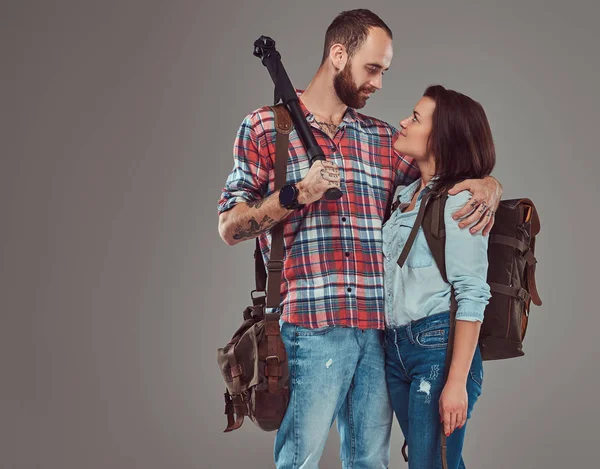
415 131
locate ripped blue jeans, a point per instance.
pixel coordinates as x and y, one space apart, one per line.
415 364
336 373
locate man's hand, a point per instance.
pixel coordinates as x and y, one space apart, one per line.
323 175
482 206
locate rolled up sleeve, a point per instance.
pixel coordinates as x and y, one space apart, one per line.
249 177
466 263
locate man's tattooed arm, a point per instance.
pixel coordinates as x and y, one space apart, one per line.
251 219
254 228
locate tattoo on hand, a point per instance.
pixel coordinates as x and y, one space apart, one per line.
255 228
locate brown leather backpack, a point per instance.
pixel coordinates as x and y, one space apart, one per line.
511 276
254 363
511 270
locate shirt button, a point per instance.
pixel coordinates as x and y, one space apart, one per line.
343 218
332 148
347 254
349 290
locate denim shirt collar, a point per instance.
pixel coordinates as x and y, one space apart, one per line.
406 194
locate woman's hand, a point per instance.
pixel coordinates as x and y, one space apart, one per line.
486 197
453 406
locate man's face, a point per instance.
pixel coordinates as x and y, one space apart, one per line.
363 73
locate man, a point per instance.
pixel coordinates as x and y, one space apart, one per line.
332 289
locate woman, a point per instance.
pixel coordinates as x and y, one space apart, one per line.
449 137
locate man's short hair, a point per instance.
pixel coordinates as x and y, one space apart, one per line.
351 28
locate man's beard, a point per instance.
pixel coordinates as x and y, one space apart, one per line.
347 91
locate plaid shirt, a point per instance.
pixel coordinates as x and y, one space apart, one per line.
333 260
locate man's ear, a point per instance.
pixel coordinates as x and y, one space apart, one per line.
338 56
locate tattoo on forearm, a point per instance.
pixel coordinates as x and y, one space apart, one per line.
255 228
257 203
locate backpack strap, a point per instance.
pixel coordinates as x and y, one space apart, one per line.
533 217
415 229
434 228
233 404
431 218
283 126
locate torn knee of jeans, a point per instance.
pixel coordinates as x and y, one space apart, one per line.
425 387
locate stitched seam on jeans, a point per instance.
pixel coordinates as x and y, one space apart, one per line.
440 345
429 334
295 395
400 359
351 422
477 381
316 332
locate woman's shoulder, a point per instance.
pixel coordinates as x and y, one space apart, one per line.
458 200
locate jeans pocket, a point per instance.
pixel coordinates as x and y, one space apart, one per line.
435 338
305 331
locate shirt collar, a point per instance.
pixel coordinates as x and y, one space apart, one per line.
406 194
350 116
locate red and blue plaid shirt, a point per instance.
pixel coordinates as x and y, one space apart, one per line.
333 260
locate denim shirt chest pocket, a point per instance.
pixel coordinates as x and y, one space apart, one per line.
419 255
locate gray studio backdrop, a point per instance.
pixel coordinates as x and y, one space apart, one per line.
117 125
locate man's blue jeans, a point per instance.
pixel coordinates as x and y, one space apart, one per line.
415 364
335 372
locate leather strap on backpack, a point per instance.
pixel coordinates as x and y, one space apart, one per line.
283 125
415 229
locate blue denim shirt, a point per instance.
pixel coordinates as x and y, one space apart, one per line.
417 289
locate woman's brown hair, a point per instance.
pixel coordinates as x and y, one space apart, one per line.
460 139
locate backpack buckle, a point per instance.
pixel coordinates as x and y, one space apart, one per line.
272 360
258 297
275 266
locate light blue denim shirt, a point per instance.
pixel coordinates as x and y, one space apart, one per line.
417 289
